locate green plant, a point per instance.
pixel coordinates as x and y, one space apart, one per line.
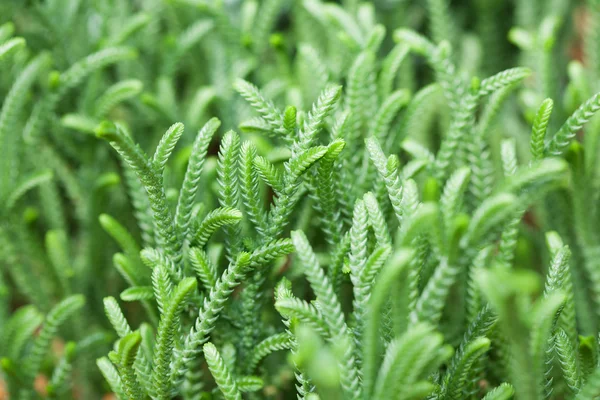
300 199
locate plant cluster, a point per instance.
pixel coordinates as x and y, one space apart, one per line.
304 199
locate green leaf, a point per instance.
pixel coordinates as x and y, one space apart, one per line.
58 252
503 79
269 173
151 181
25 185
204 268
166 146
82 68
424 219
228 190
250 187
80 122
434 296
132 25
332 314
377 220
452 196
116 317
566 352
264 107
503 392
304 312
191 180
488 215
381 124
162 286
220 372
9 116
561 140
458 378
111 375
298 165
327 193
405 360
209 313
540 126
11 46
391 272
116 94
389 69
388 173
137 293
534 180
165 337
18 331
124 357
41 345
250 384
214 220
321 109
276 342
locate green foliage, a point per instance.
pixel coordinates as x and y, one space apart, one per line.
300 199
221 374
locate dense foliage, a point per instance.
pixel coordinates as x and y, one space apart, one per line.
282 199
